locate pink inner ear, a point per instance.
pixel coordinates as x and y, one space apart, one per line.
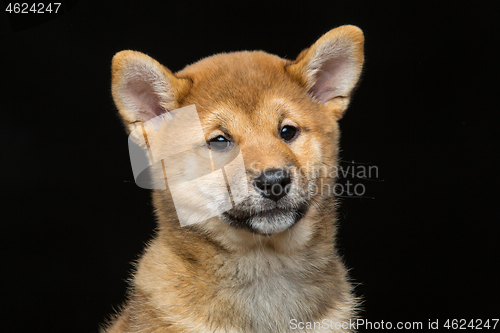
330 79
146 101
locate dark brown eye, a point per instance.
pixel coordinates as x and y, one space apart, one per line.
219 143
288 133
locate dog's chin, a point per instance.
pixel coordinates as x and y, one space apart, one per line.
267 222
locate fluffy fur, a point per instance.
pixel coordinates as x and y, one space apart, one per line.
262 264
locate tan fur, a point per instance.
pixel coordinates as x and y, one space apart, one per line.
211 276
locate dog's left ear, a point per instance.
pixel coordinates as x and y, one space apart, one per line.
330 68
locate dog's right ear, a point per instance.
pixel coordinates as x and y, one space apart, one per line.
143 89
331 67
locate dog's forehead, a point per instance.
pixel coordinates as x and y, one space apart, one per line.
241 79
229 65
253 85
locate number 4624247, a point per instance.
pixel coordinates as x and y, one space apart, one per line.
35 8
478 324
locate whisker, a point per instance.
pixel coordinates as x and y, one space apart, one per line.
353 175
352 162
353 196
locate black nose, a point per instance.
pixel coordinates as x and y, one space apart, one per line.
273 184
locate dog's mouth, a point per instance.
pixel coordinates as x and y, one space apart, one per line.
266 222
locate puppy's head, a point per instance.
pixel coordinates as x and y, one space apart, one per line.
280 115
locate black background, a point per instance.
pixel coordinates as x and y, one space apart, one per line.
425 113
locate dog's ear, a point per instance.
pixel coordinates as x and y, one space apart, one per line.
330 68
143 89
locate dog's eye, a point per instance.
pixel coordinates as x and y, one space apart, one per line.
219 143
288 133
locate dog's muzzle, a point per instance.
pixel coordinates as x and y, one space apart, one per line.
273 184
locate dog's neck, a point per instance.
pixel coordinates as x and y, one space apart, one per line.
262 279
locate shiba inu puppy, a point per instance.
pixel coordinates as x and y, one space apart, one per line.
269 263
